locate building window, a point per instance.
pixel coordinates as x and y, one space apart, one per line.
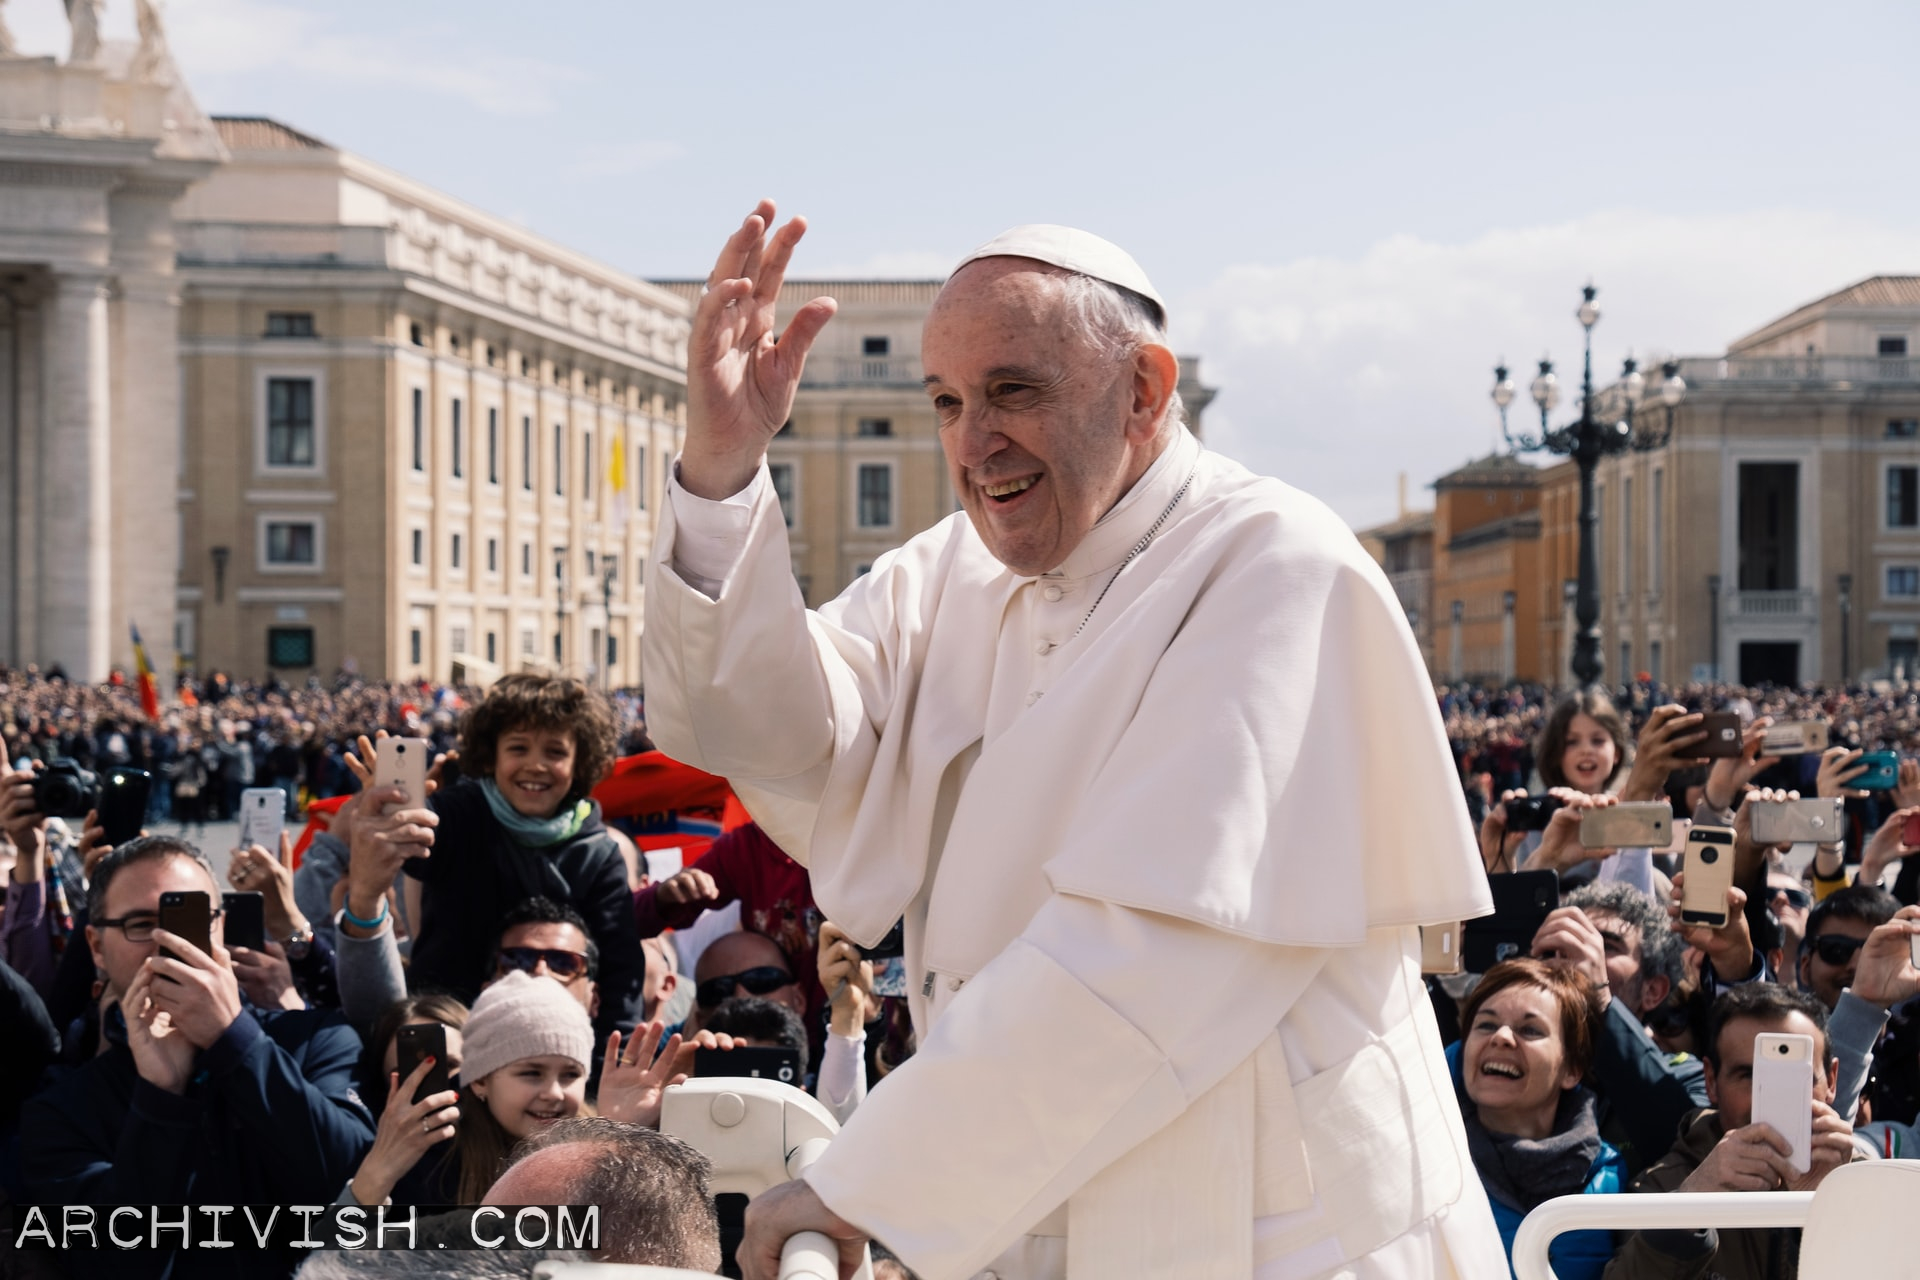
526 454
1655 662
289 646
640 477
1903 497
290 422
1626 534
1626 660
492 638
559 459
493 443
1893 344
420 548
1903 582
493 555
526 559
1903 428
419 429
1657 522
290 324
782 475
418 338
613 651
528 644
413 646
454 558
292 542
458 639
593 565
874 427
557 659
586 467
876 495
875 346
459 445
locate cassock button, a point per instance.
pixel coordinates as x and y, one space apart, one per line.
1053 593
1033 697
1044 648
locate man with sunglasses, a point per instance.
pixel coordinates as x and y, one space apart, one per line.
194 1096
743 963
544 937
1836 930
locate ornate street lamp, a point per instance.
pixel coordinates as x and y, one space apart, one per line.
1587 441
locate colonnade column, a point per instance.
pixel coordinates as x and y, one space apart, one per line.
76 525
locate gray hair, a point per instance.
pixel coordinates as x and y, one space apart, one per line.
656 1206
1116 322
1660 946
466 1264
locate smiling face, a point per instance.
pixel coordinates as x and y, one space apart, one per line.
1043 432
533 768
1514 1061
1590 756
528 1095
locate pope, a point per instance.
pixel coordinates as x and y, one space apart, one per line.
1140 747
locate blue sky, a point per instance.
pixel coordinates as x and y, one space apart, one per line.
1354 209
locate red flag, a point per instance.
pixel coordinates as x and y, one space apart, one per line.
149 691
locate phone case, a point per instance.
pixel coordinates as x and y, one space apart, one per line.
1678 845
263 816
1783 1090
1635 825
244 923
1723 734
420 1040
1709 871
188 914
123 804
1817 821
1440 948
1883 771
403 762
1796 738
1522 901
764 1062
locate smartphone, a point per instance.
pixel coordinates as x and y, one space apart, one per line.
403 763
263 816
1783 1090
1795 738
417 1041
1678 845
1636 825
1440 948
123 804
1910 832
1913 945
1723 734
1815 821
1709 870
1522 901
188 914
1531 813
759 1061
1883 771
244 922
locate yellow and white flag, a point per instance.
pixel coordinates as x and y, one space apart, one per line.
617 479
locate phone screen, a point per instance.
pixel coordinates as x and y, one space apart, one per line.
188 915
263 816
417 1041
765 1063
123 804
244 923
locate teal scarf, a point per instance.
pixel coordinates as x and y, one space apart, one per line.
535 833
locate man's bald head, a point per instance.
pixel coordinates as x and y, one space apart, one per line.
729 962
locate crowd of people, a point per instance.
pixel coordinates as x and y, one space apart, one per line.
515 929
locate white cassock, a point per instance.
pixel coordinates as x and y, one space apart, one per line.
1160 864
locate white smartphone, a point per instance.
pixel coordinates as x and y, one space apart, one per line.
403 763
1708 865
263 816
1783 1090
1913 944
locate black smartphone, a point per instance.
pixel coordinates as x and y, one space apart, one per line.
889 947
188 915
1531 813
1522 901
244 923
417 1041
123 804
762 1063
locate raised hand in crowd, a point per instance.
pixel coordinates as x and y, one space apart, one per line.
1838 767
407 1131
162 1054
1560 848
1497 844
266 977
1670 740
1885 847
93 844
1885 974
634 1079
1756 1158
22 823
1749 858
254 870
381 841
687 887
1730 775
1906 787
1569 937
198 992
848 980
1728 948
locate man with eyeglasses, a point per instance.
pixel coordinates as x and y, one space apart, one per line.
1836 929
744 963
193 1096
544 937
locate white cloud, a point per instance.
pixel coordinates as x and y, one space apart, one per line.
1337 373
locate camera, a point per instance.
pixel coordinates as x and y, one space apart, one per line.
1709 854
64 790
889 947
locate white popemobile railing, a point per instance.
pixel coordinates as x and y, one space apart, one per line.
1856 1226
758 1133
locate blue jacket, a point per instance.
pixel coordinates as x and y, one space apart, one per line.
1575 1255
271 1117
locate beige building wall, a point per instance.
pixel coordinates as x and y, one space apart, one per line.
401 418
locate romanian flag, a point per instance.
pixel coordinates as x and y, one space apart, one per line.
149 692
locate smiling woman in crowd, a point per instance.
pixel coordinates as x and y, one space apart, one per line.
1531 1126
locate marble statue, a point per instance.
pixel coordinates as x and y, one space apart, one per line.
84 17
